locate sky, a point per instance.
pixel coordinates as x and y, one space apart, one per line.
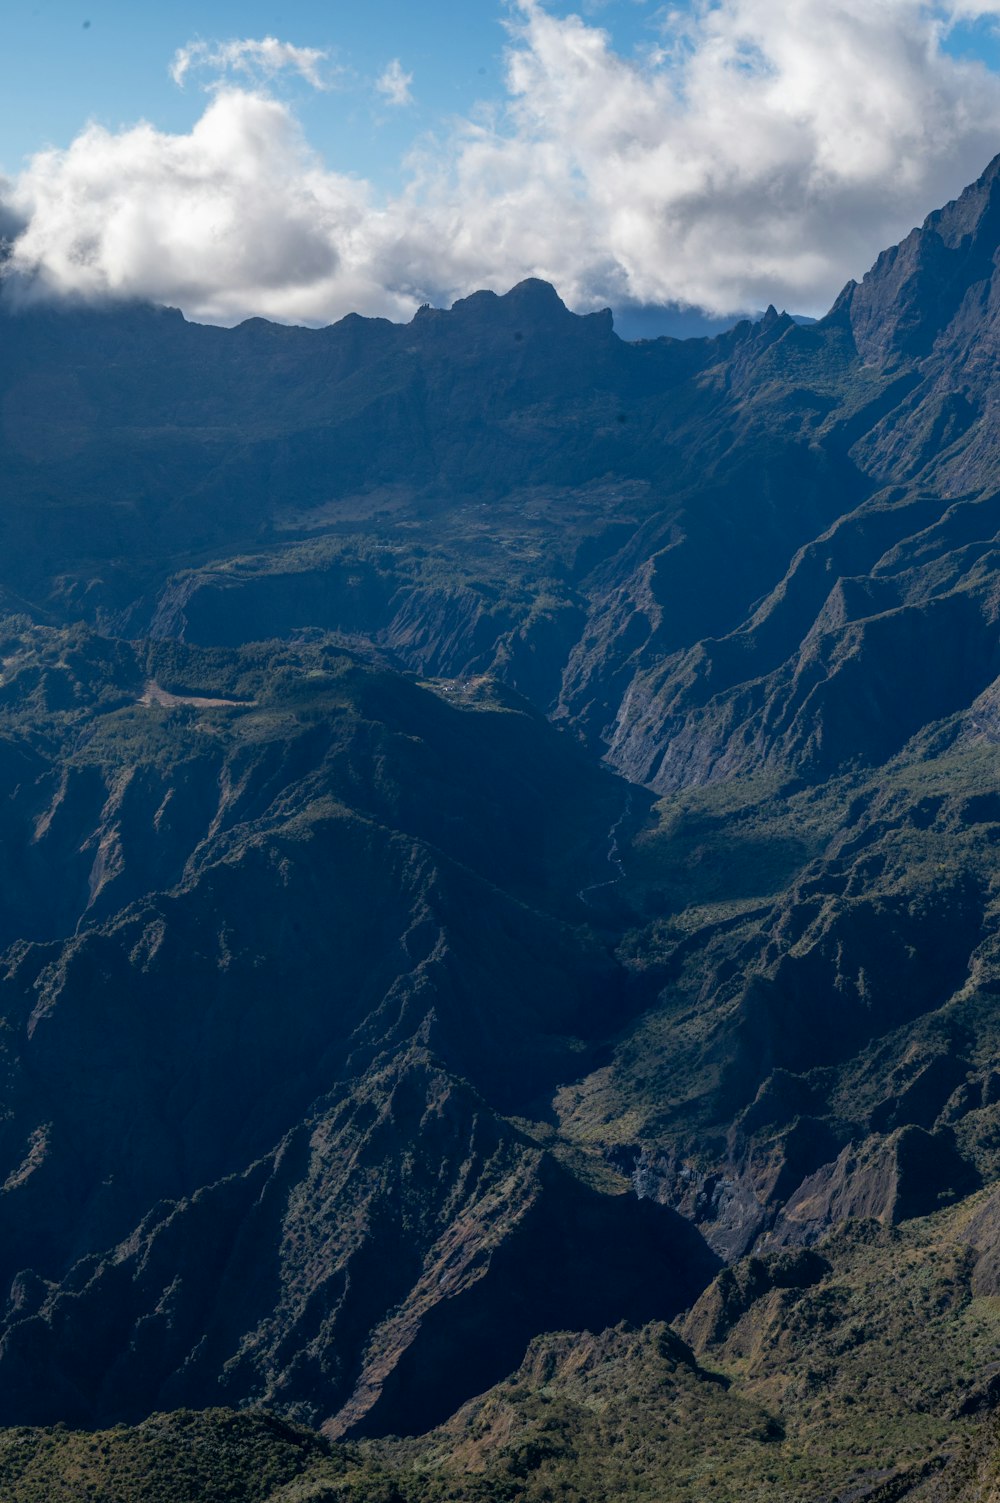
304 160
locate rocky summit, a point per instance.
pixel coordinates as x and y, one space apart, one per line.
500 926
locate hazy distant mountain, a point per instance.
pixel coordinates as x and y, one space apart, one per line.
500 914
656 321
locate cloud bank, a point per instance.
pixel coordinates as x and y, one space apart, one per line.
764 151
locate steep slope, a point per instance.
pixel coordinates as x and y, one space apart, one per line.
885 621
821 1038
300 908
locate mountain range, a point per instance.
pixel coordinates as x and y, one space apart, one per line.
499 956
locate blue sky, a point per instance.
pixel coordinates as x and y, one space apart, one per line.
719 154
57 71
66 61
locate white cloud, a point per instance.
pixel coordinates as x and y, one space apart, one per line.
765 152
236 217
394 84
774 148
265 57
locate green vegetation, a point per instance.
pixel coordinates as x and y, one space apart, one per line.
863 1373
213 1457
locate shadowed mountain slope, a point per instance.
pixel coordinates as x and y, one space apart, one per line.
284 925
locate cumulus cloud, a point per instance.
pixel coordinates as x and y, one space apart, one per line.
394 84
765 150
237 217
265 58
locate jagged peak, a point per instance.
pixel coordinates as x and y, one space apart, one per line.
916 288
965 215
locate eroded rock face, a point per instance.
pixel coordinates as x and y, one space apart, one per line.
982 1231
935 282
910 1173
